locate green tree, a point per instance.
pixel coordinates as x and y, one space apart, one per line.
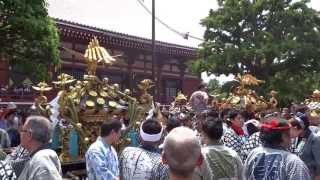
214 86
216 89
275 40
28 37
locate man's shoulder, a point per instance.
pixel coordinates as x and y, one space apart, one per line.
98 151
131 149
292 158
2 131
46 160
220 149
229 133
134 150
44 155
285 155
95 146
262 149
231 152
314 137
255 151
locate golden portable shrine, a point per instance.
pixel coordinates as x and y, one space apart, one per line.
179 105
82 105
313 104
242 97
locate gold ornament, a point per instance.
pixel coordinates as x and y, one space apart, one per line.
93 93
79 125
64 79
86 139
145 85
235 100
103 94
181 97
100 101
90 103
248 79
42 87
113 104
127 92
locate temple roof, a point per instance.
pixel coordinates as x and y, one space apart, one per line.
107 37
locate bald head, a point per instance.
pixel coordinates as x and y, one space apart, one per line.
182 151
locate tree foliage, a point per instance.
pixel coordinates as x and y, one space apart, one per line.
214 88
275 40
28 37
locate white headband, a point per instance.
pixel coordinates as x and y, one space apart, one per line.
150 137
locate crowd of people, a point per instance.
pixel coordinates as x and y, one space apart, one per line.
196 141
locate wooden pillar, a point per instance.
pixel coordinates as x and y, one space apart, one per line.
4 72
73 58
130 61
159 91
182 68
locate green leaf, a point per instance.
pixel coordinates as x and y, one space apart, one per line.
274 40
29 37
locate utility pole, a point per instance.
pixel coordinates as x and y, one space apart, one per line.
153 45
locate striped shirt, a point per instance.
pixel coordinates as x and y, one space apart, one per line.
274 164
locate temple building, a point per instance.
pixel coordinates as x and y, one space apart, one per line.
134 62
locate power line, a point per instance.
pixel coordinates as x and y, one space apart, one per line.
184 35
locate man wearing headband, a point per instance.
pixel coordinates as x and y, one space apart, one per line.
306 143
272 160
144 162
